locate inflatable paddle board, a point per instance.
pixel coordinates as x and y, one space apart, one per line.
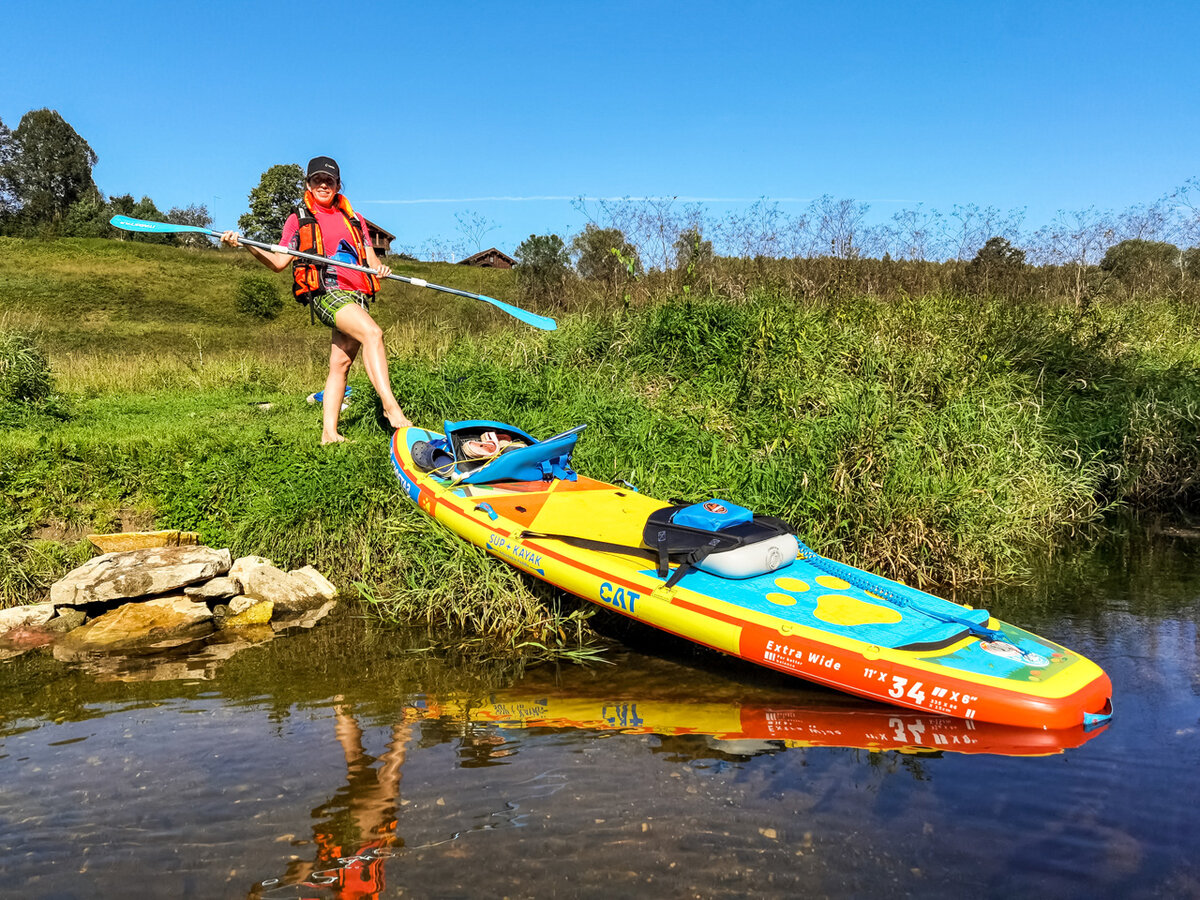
746 585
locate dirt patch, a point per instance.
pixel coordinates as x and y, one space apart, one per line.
137 519
60 532
130 519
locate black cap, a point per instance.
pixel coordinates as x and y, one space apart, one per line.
323 165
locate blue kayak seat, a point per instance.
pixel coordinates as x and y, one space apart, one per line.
537 461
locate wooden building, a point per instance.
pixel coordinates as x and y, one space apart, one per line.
490 259
381 238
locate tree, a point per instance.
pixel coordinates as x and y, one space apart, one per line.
142 209
196 215
995 268
997 252
279 192
7 199
49 167
604 255
1143 267
88 217
542 267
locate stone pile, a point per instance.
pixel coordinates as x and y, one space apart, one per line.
157 598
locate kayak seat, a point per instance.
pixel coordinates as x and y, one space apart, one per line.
535 461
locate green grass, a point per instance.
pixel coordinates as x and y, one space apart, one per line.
127 315
933 438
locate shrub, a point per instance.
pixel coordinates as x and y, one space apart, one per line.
24 370
542 267
995 270
258 295
605 255
1144 267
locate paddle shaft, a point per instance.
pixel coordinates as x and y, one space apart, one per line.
145 226
543 322
416 282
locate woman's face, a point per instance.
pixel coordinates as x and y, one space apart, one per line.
324 188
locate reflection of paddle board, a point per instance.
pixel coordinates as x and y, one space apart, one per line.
800 614
841 723
319 397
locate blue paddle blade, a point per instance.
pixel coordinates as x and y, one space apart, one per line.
545 323
126 223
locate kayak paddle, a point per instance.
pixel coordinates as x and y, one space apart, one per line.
130 224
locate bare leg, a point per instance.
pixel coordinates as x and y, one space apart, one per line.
342 351
357 323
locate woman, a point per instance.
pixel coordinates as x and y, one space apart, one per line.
327 225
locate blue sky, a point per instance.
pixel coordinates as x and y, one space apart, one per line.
1044 106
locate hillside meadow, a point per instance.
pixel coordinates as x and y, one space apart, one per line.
941 438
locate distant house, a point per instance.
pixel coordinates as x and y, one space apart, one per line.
490 259
381 238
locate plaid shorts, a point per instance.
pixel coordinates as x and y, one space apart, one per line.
326 305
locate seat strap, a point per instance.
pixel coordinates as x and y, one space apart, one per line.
664 555
590 544
693 558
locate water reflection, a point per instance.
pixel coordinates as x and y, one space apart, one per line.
740 728
355 830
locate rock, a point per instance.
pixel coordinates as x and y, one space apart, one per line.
137 573
26 616
240 604
258 614
322 586
214 589
141 540
68 619
157 623
306 619
291 592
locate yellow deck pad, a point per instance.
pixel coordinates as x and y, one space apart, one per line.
839 609
834 584
795 585
617 517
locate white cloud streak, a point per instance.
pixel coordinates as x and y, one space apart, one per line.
551 198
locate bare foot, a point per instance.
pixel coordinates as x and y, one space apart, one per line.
334 438
398 419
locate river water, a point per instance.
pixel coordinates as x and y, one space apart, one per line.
349 761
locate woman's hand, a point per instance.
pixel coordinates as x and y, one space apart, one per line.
230 238
383 271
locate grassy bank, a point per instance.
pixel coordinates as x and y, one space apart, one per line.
937 438
120 315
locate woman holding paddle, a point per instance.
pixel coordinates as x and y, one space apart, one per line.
326 225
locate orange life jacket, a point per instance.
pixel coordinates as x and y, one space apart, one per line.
308 278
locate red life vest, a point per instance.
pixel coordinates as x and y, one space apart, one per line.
308 278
